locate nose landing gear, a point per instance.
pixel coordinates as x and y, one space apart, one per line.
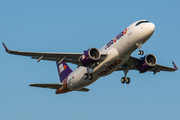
141 52
139 45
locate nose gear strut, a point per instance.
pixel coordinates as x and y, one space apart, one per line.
139 45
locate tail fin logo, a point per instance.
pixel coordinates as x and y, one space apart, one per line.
62 68
63 71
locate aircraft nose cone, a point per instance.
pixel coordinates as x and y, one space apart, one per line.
151 27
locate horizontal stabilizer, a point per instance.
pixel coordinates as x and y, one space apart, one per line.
52 86
83 90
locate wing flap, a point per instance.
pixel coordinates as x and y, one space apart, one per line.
57 59
164 68
51 86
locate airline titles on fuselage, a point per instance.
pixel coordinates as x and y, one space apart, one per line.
116 38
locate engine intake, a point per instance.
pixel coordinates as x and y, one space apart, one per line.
90 56
146 63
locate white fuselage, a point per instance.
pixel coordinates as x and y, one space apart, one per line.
118 52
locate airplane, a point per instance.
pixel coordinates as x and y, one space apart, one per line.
93 63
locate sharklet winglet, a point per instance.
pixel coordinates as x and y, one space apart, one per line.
6 49
174 65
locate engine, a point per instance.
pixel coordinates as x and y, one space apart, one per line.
146 63
90 56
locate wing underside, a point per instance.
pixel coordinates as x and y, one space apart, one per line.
132 63
65 57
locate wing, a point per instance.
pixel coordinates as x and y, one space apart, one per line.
159 68
65 57
132 63
52 86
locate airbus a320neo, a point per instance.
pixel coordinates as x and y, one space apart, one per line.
93 63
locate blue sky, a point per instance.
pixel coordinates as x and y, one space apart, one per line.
75 26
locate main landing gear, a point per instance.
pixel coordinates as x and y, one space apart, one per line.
125 79
139 45
87 75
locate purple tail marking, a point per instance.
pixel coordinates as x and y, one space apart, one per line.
174 65
63 70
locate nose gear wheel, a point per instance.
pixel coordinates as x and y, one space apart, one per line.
139 45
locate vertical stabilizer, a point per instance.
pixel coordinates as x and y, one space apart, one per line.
63 70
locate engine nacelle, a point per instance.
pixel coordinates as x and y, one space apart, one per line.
90 56
146 63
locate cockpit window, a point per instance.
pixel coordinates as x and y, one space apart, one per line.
141 22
